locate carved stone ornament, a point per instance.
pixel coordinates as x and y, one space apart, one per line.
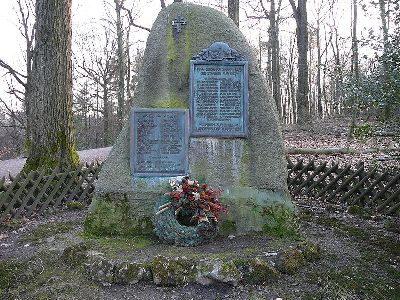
219 51
178 23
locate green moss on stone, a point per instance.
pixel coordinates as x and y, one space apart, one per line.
130 273
280 221
310 251
290 261
257 271
113 217
171 51
229 270
171 103
254 210
227 227
74 255
173 271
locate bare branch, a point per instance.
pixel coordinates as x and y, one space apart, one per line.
266 13
131 22
13 72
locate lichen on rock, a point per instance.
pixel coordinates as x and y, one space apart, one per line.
75 254
173 271
289 261
216 270
257 271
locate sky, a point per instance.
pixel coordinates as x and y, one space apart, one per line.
87 13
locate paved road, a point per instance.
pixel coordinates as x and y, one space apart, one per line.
13 166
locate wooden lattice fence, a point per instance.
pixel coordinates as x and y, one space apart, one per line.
346 184
32 193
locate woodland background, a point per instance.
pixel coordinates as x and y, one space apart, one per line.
319 62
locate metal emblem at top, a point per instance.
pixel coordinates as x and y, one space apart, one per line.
177 24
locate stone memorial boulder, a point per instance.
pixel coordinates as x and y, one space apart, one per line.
251 169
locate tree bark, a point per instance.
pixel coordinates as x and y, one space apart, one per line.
300 15
274 38
121 65
51 103
385 33
354 70
233 11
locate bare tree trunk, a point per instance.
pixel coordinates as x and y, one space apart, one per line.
128 70
51 103
291 82
274 38
121 65
233 11
106 114
162 3
319 93
300 15
385 32
354 70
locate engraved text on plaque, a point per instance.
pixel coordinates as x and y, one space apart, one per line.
218 93
159 139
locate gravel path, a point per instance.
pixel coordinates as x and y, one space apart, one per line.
13 166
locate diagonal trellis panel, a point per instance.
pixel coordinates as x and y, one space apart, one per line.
33 193
354 185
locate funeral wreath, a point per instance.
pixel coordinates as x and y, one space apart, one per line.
188 215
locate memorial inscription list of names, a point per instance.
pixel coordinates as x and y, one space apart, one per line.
218 101
160 140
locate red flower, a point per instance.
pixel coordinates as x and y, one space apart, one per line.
185 187
175 195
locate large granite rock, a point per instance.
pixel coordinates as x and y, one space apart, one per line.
252 170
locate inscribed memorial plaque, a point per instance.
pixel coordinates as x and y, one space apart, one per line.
159 141
218 92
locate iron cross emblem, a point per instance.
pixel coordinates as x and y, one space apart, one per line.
178 23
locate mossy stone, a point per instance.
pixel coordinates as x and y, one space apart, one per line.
112 216
257 271
75 255
289 261
256 162
211 271
227 227
311 251
173 271
131 273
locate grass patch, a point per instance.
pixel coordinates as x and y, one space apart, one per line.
47 230
43 276
385 243
113 246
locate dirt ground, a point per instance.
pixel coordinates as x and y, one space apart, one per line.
360 256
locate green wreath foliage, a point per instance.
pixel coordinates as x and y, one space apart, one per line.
168 229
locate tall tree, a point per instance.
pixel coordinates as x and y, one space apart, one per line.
121 64
300 15
233 11
51 102
385 33
355 72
